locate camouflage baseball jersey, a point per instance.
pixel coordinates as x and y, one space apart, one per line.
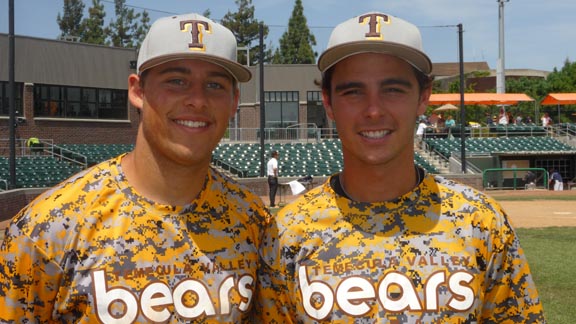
442 253
92 250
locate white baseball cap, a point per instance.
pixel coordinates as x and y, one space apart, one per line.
191 36
375 32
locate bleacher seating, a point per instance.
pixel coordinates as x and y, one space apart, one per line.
45 171
296 159
487 145
38 171
96 153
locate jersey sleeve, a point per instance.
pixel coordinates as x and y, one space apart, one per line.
510 292
29 281
273 293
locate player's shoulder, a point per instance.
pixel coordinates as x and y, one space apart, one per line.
224 189
229 186
320 198
460 193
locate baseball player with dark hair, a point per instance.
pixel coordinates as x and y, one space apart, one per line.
155 235
383 241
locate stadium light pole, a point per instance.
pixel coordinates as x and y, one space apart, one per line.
462 105
500 67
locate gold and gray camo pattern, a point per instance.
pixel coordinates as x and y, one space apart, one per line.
442 253
92 250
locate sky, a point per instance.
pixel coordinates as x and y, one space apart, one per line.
538 34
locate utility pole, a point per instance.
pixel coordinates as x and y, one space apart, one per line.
12 94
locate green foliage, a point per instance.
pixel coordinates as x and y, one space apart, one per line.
296 44
127 29
70 22
124 30
563 80
247 31
141 29
93 26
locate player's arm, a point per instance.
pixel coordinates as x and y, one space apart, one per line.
273 301
510 295
28 279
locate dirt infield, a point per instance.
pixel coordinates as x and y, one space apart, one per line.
540 212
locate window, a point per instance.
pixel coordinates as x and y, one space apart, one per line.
79 102
281 108
5 98
315 110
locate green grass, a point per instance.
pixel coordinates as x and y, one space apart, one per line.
552 258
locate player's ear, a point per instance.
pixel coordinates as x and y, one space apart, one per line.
424 100
135 92
326 99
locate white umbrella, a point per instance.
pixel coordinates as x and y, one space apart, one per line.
446 107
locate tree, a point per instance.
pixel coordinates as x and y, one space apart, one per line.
142 29
70 21
297 42
247 31
93 31
563 80
125 31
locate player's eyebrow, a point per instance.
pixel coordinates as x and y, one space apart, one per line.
386 82
348 85
185 70
397 81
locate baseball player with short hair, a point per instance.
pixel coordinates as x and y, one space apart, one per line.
382 241
155 235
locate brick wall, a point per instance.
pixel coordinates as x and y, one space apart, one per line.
74 132
11 202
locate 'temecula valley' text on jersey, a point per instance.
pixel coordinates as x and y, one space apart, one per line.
442 253
92 250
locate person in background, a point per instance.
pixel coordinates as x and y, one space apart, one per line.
510 118
440 124
421 130
546 120
433 119
489 121
382 241
556 182
35 145
272 172
155 235
450 122
502 117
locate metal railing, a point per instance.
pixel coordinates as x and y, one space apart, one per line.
514 178
299 132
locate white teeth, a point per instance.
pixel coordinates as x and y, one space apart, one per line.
192 124
375 134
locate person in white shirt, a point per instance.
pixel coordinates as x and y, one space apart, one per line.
272 172
420 130
546 120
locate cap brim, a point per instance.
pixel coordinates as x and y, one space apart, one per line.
339 52
238 71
